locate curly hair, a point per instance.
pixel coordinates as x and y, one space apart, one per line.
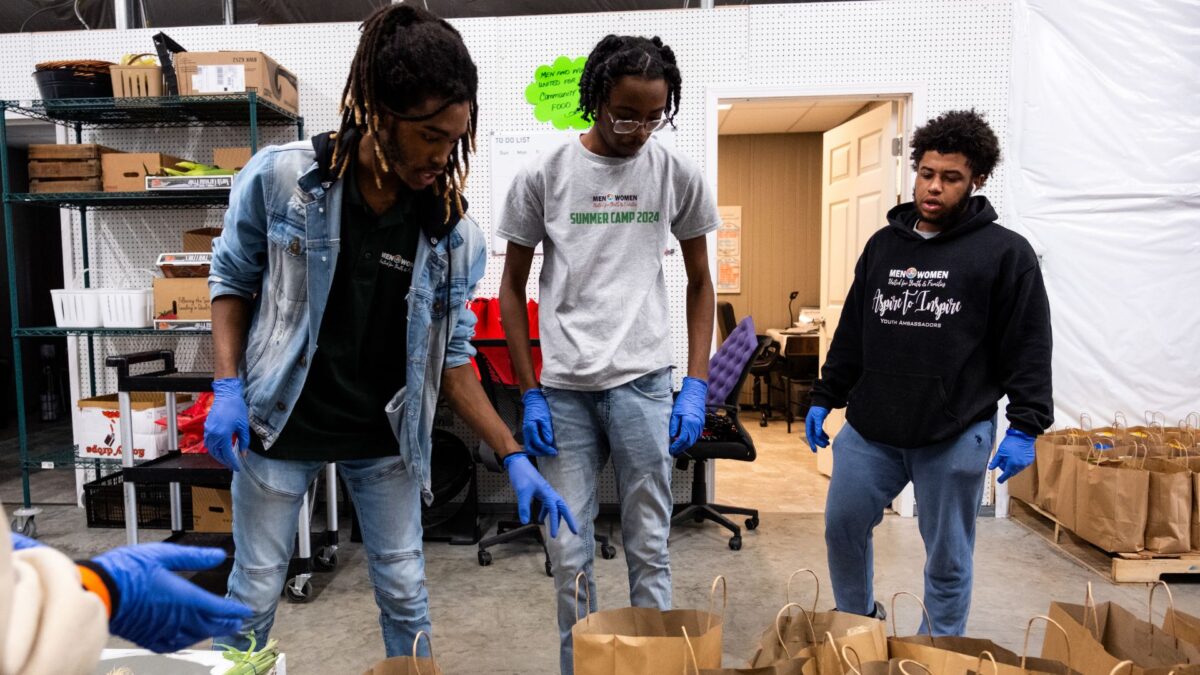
962 131
618 56
407 56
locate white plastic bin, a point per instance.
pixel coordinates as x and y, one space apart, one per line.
76 307
126 308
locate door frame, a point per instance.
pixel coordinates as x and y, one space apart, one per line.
916 96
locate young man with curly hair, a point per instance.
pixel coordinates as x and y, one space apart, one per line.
946 315
605 206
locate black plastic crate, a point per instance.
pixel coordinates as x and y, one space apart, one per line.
104 502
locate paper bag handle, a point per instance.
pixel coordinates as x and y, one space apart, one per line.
588 589
784 611
1120 422
837 658
690 652
1192 420
1170 611
1117 668
1049 622
816 583
995 668
1089 603
416 665
924 610
712 598
1085 422
910 662
847 651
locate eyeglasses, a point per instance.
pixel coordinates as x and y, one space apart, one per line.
631 126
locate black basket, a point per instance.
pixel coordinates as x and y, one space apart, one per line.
104 502
67 83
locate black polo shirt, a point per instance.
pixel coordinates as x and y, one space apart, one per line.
361 349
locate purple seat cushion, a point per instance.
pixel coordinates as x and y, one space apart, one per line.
726 366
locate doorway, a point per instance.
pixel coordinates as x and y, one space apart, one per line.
809 177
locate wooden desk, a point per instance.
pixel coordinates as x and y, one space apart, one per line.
808 343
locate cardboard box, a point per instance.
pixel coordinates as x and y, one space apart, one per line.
73 151
185 265
97 432
201 240
212 509
185 183
229 72
127 171
71 168
181 300
233 159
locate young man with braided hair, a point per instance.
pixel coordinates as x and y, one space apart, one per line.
947 314
339 293
604 206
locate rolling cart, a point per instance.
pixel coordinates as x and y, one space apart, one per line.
176 469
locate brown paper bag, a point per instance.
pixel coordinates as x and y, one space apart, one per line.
1102 636
1049 452
866 635
888 667
1169 507
987 664
1182 625
1024 485
1111 500
636 640
408 665
944 655
800 665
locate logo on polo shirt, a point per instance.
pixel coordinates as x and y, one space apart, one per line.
396 262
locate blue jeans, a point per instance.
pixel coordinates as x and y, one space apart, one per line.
948 480
387 501
630 423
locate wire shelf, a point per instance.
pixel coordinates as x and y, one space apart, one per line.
65 458
228 110
123 201
51 331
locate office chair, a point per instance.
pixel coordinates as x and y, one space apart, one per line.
761 367
506 399
797 370
723 437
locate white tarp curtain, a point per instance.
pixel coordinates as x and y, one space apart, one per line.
1103 166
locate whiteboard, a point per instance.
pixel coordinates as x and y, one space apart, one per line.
511 152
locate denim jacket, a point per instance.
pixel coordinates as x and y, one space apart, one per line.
279 249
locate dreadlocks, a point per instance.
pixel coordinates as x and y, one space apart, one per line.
618 56
406 57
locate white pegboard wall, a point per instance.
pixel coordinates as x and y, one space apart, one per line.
959 52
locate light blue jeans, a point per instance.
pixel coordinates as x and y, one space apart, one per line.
948 480
630 423
387 502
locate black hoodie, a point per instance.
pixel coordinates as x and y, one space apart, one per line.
935 331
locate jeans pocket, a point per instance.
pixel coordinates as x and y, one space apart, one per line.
262 470
656 385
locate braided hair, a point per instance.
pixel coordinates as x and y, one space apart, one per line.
619 56
407 56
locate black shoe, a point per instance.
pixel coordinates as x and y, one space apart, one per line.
879 613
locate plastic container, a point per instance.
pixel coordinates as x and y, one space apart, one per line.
104 504
77 307
126 308
67 83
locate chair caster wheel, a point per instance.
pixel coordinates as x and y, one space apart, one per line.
326 559
608 552
485 558
752 523
735 543
301 596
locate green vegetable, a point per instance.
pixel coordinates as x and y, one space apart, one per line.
194 169
251 662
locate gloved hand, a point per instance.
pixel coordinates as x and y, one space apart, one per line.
1015 453
687 416
537 427
529 484
159 610
21 542
227 418
814 427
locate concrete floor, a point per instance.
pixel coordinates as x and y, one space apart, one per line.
500 619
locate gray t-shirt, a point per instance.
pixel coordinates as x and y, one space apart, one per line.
604 223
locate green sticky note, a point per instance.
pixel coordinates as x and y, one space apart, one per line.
554 93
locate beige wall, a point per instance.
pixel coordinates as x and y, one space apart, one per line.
776 179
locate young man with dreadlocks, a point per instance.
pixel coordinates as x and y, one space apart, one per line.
604 207
947 313
339 293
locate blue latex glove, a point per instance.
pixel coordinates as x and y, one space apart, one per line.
530 485
687 417
1015 453
814 427
227 418
21 542
537 429
159 610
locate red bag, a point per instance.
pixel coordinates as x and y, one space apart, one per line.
190 424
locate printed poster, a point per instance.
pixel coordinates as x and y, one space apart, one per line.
729 250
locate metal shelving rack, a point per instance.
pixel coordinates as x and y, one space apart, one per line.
226 110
